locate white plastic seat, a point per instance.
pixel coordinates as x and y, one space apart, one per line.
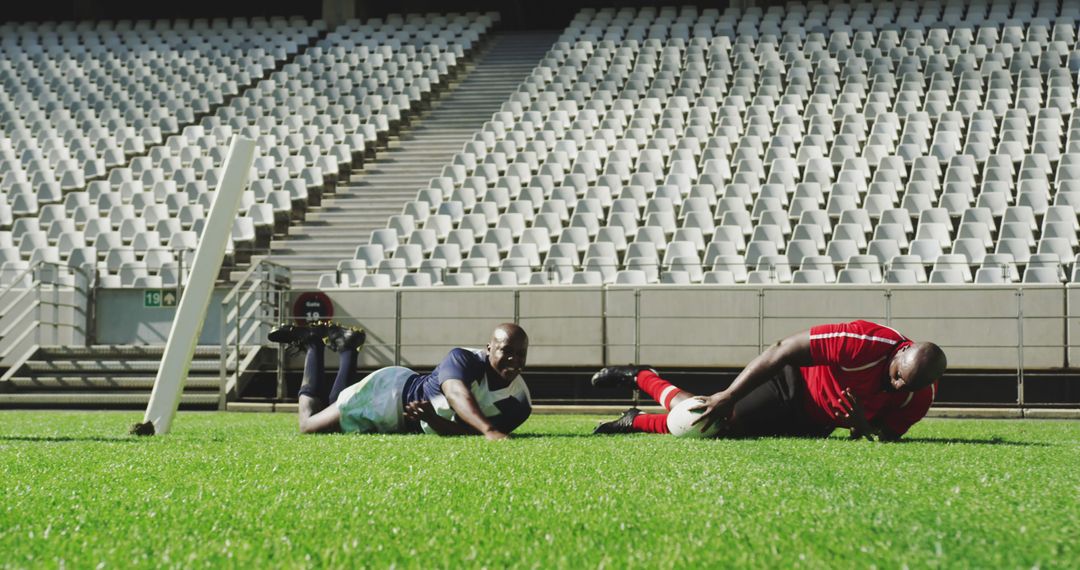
954 262
735 264
393 268
386 237
934 231
376 280
1041 274
822 264
630 277
927 249
411 254
988 275
869 263
840 250
808 276
350 272
1018 248
586 278
649 267
130 271
901 276
909 262
606 267
416 280
370 254
578 236
459 280
854 275
972 249
675 278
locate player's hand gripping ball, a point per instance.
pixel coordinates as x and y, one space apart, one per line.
680 420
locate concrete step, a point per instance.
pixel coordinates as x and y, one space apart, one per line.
367 197
34 367
117 351
107 382
206 400
317 257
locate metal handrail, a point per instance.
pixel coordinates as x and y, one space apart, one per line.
252 303
390 344
30 320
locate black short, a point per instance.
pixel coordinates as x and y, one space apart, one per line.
776 408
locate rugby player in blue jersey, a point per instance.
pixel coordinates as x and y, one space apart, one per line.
471 392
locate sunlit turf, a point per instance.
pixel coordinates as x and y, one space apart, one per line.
247 491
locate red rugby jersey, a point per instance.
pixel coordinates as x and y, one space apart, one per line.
856 355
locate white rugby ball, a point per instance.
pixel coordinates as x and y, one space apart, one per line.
680 420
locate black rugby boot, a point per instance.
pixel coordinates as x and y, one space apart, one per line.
613 376
625 424
342 339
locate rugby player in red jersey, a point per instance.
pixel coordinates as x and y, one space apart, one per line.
860 375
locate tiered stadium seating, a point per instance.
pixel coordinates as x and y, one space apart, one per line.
899 142
82 101
114 135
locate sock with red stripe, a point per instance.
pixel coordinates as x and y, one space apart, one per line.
659 389
651 423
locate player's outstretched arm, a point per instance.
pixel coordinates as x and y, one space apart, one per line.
791 351
466 408
425 412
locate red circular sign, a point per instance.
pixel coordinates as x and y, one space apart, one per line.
312 306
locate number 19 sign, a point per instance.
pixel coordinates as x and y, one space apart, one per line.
157 298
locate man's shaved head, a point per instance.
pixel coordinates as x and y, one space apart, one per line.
930 362
916 366
508 332
507 350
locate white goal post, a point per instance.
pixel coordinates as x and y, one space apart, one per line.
191 310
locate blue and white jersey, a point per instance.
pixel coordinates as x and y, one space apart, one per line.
506 407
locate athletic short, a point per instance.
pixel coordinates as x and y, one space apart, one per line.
776 408
373 405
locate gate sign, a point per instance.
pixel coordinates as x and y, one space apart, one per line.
312 306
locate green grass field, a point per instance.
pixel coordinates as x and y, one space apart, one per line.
246 490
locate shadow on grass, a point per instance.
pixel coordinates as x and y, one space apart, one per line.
553 435
68 439
967 441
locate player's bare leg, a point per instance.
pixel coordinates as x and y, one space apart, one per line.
317 417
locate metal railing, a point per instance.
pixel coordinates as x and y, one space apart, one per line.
251 308
767 271
1014 327
33 304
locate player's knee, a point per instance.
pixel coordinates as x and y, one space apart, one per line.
307 426
679 398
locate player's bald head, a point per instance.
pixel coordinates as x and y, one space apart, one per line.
507 333
928 363
508 350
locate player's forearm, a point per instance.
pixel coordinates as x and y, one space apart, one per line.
791 351
760 369
474 418
466 408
